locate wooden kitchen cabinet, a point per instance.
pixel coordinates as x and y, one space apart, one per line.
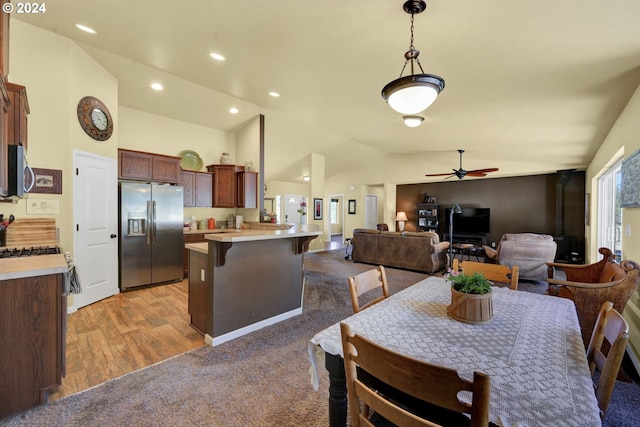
17 115
190 238
199 292
224 185
142 166
33 322
246 189
4 155
197 188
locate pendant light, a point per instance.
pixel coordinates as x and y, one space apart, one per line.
414 93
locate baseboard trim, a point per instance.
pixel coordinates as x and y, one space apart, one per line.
213 341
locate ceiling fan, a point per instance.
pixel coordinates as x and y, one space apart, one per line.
461 173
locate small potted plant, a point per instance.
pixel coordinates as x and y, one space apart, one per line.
471 298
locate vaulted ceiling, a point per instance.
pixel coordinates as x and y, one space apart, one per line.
531 86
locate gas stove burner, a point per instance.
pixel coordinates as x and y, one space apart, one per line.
31 251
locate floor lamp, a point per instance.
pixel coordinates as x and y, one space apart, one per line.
454 210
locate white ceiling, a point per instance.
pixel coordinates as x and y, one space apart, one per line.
531 86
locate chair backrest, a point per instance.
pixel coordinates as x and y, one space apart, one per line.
613 328
493 272
365 282
529 251
382 227
437 385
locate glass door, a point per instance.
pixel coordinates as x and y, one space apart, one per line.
609 210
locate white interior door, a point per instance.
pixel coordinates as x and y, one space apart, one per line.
370 211
291 206
95 215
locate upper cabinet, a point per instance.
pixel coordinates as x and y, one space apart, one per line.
233 187
247 189
143 166
197 188
4 42
17 115
4 155
224 185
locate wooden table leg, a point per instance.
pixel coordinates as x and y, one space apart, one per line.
337 390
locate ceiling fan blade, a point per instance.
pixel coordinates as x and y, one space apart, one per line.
483 170
439 174
476 174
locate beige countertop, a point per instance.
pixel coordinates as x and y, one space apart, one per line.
202 247
252 235
211 230
249 235
31 266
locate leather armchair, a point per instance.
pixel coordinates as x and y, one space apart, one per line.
590 285
529 251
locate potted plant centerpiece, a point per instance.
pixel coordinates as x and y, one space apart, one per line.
471 300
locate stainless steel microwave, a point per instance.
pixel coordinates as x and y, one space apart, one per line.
20 177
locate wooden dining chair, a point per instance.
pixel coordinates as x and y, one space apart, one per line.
430 384
604 365
493 272
365 282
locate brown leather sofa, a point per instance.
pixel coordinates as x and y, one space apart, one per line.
529 251
421 251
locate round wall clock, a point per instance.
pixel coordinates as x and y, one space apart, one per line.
94 118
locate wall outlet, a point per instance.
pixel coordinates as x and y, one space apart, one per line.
627 230
493 244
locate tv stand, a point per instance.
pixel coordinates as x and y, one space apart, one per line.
474 239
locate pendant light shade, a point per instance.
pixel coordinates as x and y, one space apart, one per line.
413 94
412 121
416 92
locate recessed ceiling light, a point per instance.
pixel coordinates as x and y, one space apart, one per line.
233 110
217 56
306 178
156 86
274 94
86 29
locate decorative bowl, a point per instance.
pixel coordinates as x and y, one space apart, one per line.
190 160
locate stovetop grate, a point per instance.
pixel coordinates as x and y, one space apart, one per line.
30 251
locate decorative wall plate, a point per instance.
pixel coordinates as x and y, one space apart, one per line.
190 160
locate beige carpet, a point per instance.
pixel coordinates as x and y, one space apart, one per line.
261 379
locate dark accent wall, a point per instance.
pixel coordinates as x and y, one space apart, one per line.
518 205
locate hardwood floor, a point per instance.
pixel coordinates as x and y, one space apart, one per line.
124 333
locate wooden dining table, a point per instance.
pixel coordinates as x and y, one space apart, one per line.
532 349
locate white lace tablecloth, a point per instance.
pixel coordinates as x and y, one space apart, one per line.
532 349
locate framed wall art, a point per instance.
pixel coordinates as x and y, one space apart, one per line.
47 181
630 192
317 208
352 207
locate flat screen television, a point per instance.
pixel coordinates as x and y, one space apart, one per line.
470 221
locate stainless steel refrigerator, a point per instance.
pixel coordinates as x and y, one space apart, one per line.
151 234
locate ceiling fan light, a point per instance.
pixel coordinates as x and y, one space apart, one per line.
413 121
413 94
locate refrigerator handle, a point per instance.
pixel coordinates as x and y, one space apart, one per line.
149 222
154 223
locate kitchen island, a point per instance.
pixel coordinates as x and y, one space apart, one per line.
243 280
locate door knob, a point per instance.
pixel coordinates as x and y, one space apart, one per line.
113 236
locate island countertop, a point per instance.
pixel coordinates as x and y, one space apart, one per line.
250 235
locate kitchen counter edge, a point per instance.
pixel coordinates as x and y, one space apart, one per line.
41 265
